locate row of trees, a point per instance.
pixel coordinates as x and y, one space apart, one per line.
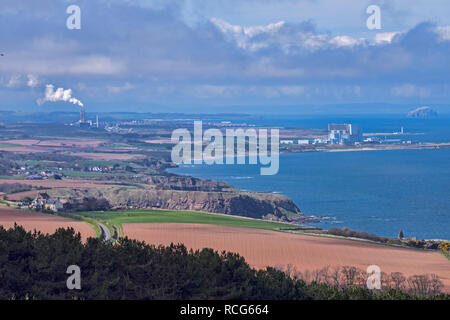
14 187
349 276
33 266
422 244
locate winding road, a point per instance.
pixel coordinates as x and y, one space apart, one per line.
106 232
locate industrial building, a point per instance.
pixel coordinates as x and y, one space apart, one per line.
83 123
344 133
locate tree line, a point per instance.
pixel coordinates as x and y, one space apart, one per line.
34 265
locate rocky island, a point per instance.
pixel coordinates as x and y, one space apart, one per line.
422 112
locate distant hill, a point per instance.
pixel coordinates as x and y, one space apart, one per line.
422 112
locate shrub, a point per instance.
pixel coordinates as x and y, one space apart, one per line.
346 232
427 285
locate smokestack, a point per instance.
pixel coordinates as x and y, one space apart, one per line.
96 122
82 115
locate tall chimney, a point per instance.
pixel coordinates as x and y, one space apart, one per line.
82 116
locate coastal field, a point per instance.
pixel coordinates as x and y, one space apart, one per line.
72 183
106 156
262 248
118 218
56 143
262 244
42 222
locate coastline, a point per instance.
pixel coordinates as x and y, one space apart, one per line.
324 148
423 146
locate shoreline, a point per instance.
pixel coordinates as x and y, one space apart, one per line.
423 146
324 148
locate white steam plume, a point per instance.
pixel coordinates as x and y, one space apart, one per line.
59 94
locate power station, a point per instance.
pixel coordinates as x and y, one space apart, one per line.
83 123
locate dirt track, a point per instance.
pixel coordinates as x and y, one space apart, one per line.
263 248
41 222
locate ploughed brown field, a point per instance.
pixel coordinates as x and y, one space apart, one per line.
56 143
262 248
19 195
41 222
67 183
26 142
24 149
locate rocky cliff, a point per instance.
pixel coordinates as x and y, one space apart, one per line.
422 112
249 204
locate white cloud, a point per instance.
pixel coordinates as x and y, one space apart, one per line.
288 37
33 63
118 89
410 90
443 32
225 26
15 81
346 41
292 90
385 37
32 81
270 28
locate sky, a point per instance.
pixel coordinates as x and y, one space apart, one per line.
219 56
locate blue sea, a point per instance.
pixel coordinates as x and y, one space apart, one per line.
380 192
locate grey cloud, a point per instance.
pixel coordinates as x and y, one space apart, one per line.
151 49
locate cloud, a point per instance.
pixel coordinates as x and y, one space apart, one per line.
59 94
32 81
118 89
278 34
346 41
15 81
288 36
443 33
150 51
41 64
385 37
410 90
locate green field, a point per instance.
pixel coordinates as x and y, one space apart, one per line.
13 177
155 146
9 145
91 174
117 218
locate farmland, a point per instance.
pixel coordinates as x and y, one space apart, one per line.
44 223
262 244
118 218
124 175
262 248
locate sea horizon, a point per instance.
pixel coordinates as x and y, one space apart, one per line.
379 192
